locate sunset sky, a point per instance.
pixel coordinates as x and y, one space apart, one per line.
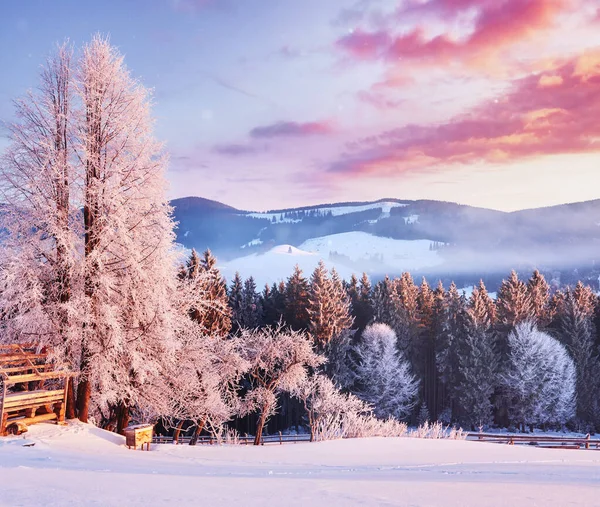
278 103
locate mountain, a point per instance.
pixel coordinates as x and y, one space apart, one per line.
388 236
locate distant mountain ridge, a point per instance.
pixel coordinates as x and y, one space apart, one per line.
468 239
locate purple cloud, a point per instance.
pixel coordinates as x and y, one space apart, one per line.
291 129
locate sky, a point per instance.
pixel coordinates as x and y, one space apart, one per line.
267 104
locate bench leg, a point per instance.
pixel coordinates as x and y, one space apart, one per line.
3 422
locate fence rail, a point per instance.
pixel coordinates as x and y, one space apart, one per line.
552 442
246 440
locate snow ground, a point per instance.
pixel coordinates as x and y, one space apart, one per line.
278 265
83 465
396 255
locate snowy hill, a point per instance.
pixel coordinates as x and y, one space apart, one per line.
277 265
82 465
366 252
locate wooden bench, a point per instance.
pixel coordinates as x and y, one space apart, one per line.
23 398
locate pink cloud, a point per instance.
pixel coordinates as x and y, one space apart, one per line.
292 129
497 25
378 100
547 80
529 121
365 45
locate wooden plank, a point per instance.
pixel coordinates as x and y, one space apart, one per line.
63 405
25 368
32 377
29 395
11 406
33 420
20 358
2 418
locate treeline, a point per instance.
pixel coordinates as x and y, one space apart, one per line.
528 358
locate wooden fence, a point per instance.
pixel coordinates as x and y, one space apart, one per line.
549 442
248 440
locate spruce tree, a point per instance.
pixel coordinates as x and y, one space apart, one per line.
539 295
251 310
482 307
477 372
328 307
577 332
235 302
296 301
513 304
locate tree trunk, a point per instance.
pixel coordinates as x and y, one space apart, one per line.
71 412
261 425
84 389
84 393
122 418
177 431
199 429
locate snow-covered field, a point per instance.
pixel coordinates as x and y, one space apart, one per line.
278 264
393 254
81 465
356 252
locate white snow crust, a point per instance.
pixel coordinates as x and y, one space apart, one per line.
84 466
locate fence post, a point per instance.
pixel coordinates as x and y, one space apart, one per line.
280 439
587 444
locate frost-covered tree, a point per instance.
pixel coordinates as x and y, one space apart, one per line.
539 379
279 361
128 265
383 377
201 383
85 150
39 185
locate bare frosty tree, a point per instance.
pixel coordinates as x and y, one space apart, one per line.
279 360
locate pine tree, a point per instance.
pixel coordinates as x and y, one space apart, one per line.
328 307
482 307
514 303
273 304
363 313
539 295
383 307
251 310
212 311
447 353
577 332
539 378
426 346
235 302
383 377
296 301
477 371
